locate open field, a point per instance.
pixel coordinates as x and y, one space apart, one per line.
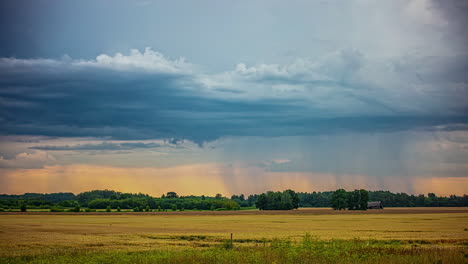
416 235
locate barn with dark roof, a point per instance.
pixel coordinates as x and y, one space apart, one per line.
374 205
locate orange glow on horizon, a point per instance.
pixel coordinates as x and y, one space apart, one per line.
209 179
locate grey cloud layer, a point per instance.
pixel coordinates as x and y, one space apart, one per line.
146 95
101 146
220 35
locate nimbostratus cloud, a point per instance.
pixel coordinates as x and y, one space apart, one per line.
145 95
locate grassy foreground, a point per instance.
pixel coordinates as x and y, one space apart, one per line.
308 250
191 238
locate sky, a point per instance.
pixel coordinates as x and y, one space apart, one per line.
206 97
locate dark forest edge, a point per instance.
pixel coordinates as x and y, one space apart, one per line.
286 200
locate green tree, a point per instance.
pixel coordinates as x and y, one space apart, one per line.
339 199
108 208
118 209
354 200
171 195
286 200
174 207
218 196
261 202
23 207
294 198
363 199
148 209
357 200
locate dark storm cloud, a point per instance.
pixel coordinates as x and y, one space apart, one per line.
18 27
56 99
145 95
455 12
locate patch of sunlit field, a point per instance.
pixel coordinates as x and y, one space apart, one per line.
166 238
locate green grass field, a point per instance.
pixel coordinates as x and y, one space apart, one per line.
413 235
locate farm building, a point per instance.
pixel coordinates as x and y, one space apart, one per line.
374 205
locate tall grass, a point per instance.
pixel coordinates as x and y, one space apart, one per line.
307 250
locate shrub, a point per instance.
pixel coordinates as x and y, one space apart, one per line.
147 209
53 209
227 244
90 210
280 244
23 208
308 241
75 209
174 207
231 205
118 209
108 209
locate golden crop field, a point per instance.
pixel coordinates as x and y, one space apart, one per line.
35 235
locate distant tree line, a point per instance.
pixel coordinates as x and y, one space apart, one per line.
36 200
388 199
108 199
168 201
52 197
286 200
